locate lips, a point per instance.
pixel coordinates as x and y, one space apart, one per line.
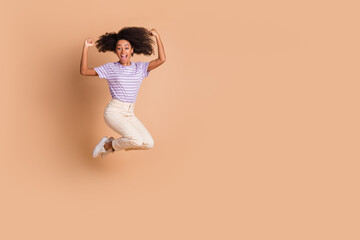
123 57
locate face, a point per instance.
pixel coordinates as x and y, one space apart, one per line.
123 48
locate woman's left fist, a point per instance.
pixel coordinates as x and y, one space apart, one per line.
154 32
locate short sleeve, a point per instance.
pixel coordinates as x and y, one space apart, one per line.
145 67
102 71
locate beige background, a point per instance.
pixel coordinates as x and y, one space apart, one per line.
255 117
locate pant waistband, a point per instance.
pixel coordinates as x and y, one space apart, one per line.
124 105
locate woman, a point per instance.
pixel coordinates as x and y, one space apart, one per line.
124 79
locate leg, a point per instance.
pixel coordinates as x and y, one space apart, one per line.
121 124
108 144
148 141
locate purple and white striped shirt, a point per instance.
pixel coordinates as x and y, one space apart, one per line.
124 81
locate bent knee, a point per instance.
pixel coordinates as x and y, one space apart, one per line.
148 144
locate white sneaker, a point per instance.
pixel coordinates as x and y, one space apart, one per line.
108 151
99 148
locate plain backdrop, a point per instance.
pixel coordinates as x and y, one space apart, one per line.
255 118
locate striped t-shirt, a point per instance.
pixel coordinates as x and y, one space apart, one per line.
124 81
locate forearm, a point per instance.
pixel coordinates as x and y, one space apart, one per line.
161 51
83 64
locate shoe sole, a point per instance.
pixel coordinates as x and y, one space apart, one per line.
99 148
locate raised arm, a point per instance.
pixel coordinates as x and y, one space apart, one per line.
161 53
84 70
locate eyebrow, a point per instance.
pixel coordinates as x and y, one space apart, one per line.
124 44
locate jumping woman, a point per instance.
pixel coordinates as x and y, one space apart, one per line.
124 79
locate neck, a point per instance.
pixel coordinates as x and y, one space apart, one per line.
125 64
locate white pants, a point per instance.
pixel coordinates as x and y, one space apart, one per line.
120 117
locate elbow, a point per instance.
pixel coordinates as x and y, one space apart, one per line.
161 59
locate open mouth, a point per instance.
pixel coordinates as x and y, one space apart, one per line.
123 57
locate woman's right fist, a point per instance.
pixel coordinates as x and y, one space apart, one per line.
88 42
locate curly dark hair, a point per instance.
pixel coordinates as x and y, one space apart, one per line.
138 37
